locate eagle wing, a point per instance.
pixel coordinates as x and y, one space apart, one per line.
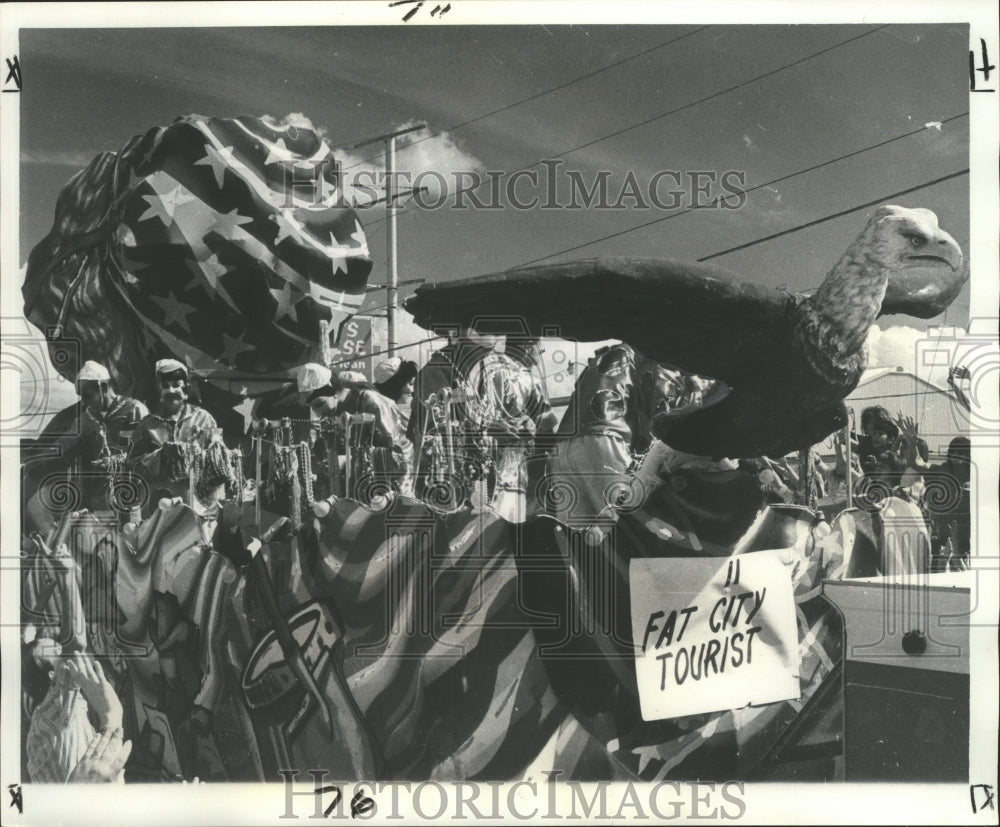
697 317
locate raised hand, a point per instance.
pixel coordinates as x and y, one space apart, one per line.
907 425
97 690
60 558
104 758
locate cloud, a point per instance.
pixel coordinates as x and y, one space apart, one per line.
78 159
57 158
438 155
296 119
907 347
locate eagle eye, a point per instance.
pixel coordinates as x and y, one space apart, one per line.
917 240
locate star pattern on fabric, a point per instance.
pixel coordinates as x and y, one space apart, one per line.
646 754
286 301
219 160
358 236
211 270
174 311
339 253
232 347
164 206
149 336
327 191
197 249
277 152
226 224
286 229
245 409
134 180
214 270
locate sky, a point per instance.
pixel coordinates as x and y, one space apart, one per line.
692 89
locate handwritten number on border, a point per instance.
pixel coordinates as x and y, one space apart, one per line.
439 11
15 797
986 797
986 68
13 75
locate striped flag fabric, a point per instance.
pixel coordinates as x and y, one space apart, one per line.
222 242
421 634
437 653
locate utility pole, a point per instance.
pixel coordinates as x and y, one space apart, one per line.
391 195
392 291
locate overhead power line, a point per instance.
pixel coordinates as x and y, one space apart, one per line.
538 95
746 191
840 214
662 115
788 231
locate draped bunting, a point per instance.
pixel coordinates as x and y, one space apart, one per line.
221 242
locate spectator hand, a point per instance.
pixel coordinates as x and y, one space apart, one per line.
98 691
907 428
61 558
104 758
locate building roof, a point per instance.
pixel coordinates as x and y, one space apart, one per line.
874 374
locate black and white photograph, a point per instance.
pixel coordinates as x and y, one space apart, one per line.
423 411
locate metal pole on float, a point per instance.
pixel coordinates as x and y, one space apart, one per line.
257 482
849 459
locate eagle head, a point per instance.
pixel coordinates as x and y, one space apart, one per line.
925 265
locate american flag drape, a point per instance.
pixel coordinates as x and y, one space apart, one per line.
437 654
220 241
433 624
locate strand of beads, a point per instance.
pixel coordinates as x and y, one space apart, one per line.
305 465
238 480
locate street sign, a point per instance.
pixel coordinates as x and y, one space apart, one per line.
355 347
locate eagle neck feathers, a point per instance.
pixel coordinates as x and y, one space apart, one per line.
836 319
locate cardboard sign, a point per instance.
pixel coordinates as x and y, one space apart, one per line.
713 634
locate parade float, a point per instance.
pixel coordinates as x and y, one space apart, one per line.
321 619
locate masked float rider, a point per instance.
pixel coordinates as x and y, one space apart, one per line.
165 440
471 449
394 380
289 401
384 438
608 425
90 437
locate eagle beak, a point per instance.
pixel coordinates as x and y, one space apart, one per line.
941 248
923 287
